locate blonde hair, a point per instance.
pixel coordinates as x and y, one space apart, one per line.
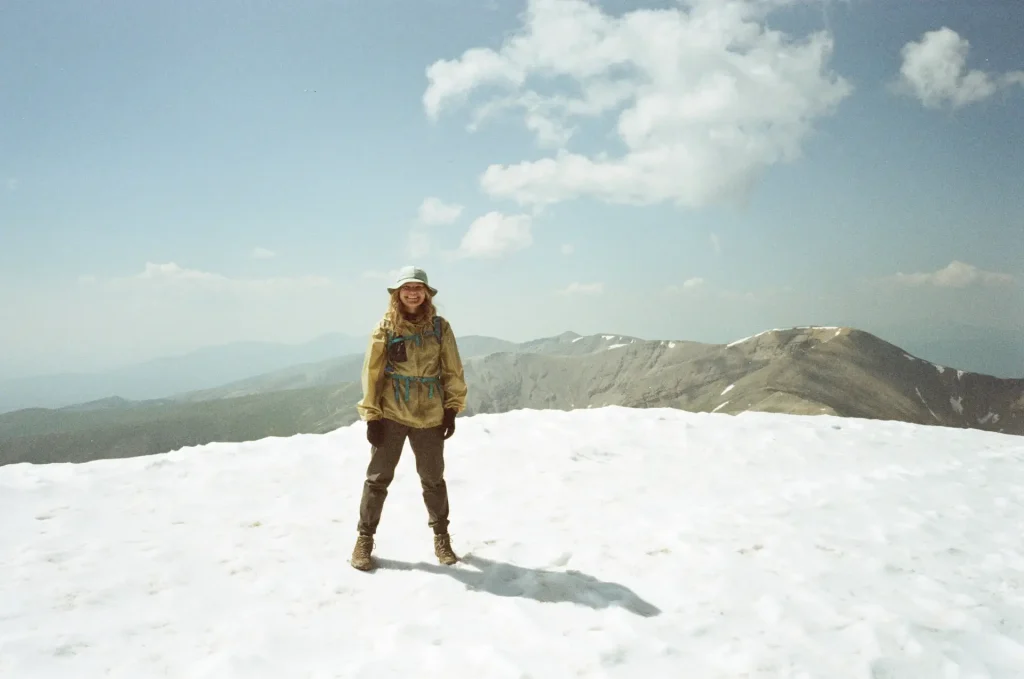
396 317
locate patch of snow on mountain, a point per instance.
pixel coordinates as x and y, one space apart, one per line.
918 390
957 404
990 417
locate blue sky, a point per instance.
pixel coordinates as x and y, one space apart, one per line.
182 174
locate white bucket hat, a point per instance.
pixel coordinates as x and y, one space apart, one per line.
411 274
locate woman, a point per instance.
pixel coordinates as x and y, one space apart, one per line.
413 387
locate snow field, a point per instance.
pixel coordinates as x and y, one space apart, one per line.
606 542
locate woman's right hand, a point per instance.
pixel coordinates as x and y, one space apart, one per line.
375 432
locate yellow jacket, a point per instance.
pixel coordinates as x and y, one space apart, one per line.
414 391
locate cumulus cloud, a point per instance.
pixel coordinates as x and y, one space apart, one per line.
495 235
582 289
934 70
434 211
170 274
704 99
688 284
956 275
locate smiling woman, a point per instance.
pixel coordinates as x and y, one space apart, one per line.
416 349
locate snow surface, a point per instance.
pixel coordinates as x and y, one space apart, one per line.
838 330
598 543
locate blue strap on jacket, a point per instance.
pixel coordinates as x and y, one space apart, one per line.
399 380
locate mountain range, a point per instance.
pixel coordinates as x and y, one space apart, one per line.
201 369
246 366
803 371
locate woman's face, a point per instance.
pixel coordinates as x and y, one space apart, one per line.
412 296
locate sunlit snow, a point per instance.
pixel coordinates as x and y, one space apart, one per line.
603 542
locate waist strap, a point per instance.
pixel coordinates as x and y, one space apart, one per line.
399 380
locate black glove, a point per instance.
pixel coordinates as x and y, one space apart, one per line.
449 422
375 432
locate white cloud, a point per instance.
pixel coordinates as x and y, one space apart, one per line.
263 253
688 284
582 289
956 275
705 99
171 275
434 211
568 249
12 183
934 70
495 235
172 272
716 243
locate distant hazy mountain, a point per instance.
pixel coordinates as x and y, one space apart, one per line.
159 378
806 371
41 436
332 371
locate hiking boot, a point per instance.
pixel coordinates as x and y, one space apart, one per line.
443 549
361 553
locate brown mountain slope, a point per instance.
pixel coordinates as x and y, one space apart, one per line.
800 371
838 371
855 374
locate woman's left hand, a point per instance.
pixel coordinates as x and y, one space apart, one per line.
449 422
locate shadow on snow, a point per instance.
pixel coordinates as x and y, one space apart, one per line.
505 579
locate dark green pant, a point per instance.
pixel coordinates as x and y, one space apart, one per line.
428 447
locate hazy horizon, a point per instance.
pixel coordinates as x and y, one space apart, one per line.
185 176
